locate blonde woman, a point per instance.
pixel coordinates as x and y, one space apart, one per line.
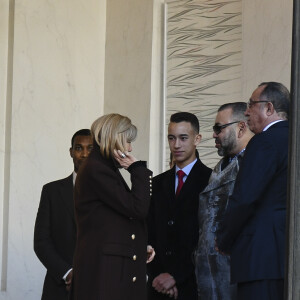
110 256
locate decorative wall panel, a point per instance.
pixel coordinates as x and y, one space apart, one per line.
203 62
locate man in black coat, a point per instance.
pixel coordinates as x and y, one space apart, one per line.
55 230
253 229
172 220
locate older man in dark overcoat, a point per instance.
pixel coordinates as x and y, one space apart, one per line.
253 229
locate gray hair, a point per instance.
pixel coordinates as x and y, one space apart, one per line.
278 95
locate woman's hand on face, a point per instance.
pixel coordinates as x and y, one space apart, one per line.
124 159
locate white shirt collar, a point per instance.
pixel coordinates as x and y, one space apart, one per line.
236 156
187 169
74 177
268 126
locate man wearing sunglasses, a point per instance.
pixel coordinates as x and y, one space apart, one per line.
231 135
253 228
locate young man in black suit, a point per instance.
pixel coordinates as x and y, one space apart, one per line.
55 230
253 229
172 220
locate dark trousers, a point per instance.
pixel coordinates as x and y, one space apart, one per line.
261 289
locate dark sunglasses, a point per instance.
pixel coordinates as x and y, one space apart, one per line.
218 128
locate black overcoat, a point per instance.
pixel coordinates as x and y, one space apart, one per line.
173 229
55 235
253 230
110 255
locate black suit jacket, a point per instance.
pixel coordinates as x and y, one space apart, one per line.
253 230
173 228
55 235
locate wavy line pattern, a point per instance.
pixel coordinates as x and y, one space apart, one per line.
204 41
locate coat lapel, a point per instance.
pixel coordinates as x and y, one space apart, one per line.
222 177
195 179
67 196
169 187
190 182
109 162
122 179
113 164
166 190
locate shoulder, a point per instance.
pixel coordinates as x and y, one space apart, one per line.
100 172
278 131
200 167
274 137
165 178
165 175
260 145
96 165
57 183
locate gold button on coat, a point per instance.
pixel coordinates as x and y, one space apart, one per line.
133 236
134 279
134 257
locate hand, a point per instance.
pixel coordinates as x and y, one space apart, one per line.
124 159
69 280
150 254
173 292
163 283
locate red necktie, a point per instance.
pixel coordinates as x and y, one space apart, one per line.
180 175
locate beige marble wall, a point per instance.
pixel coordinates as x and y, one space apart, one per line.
157 136
55 77
4 123
128 65
57 88
267 41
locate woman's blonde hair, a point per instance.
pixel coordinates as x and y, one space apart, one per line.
111 132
